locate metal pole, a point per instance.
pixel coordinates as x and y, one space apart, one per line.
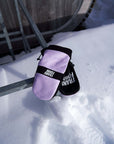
10 34
11 88
25 42
6 36
33 25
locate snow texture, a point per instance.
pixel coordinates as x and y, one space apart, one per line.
102 14
84 118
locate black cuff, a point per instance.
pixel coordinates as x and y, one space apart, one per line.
58 48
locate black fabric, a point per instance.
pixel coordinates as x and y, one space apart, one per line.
50 73
70 83
58 48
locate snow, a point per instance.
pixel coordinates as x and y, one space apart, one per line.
102 14
84 118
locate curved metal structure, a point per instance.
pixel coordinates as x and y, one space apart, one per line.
78 16
83 10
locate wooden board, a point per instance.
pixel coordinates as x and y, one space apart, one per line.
57 12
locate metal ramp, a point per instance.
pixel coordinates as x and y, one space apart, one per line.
28 82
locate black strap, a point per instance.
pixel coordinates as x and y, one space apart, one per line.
50 73
58 48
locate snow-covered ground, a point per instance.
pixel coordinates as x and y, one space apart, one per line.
84 118
102 14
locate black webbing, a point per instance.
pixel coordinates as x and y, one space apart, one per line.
50 73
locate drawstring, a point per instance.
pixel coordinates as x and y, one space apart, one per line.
39 58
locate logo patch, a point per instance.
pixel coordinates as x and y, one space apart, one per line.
49 73
69 79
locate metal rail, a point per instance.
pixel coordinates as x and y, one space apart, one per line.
6 36
11 88
68 26
33 25
11 34
25 42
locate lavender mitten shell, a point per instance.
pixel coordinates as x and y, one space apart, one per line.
51 69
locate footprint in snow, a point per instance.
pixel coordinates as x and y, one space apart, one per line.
111 70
